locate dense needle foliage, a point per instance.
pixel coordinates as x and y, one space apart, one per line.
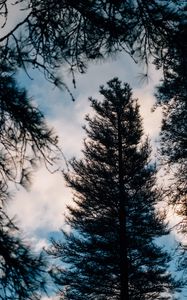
52 33
110 252
25 140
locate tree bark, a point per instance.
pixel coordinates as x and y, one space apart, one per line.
124 294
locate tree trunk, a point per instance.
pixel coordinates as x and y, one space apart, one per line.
124 295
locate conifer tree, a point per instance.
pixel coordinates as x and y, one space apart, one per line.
172 94
22 272
25 140
110 252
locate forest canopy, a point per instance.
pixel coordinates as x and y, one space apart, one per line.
56 35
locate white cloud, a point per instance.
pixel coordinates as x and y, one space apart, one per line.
50 298
43 208
151 119
15 15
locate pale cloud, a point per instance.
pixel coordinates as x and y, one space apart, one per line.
43 208
151 119
16 14
50 298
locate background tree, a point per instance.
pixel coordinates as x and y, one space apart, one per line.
22 272
25 140
110 252
172 95
173 148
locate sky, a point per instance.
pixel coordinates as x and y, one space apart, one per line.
40 212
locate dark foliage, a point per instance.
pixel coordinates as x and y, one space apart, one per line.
172 94
24 136
22 273
24 141
113 219
75 32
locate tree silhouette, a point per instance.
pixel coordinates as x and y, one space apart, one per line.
22 273
172 95
25 140
110 252
25 137
76 32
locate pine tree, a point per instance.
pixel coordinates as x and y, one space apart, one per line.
22 272
110 252
172 94
25 140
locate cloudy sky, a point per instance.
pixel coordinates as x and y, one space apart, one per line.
40 212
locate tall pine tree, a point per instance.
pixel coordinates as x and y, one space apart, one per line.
110 252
